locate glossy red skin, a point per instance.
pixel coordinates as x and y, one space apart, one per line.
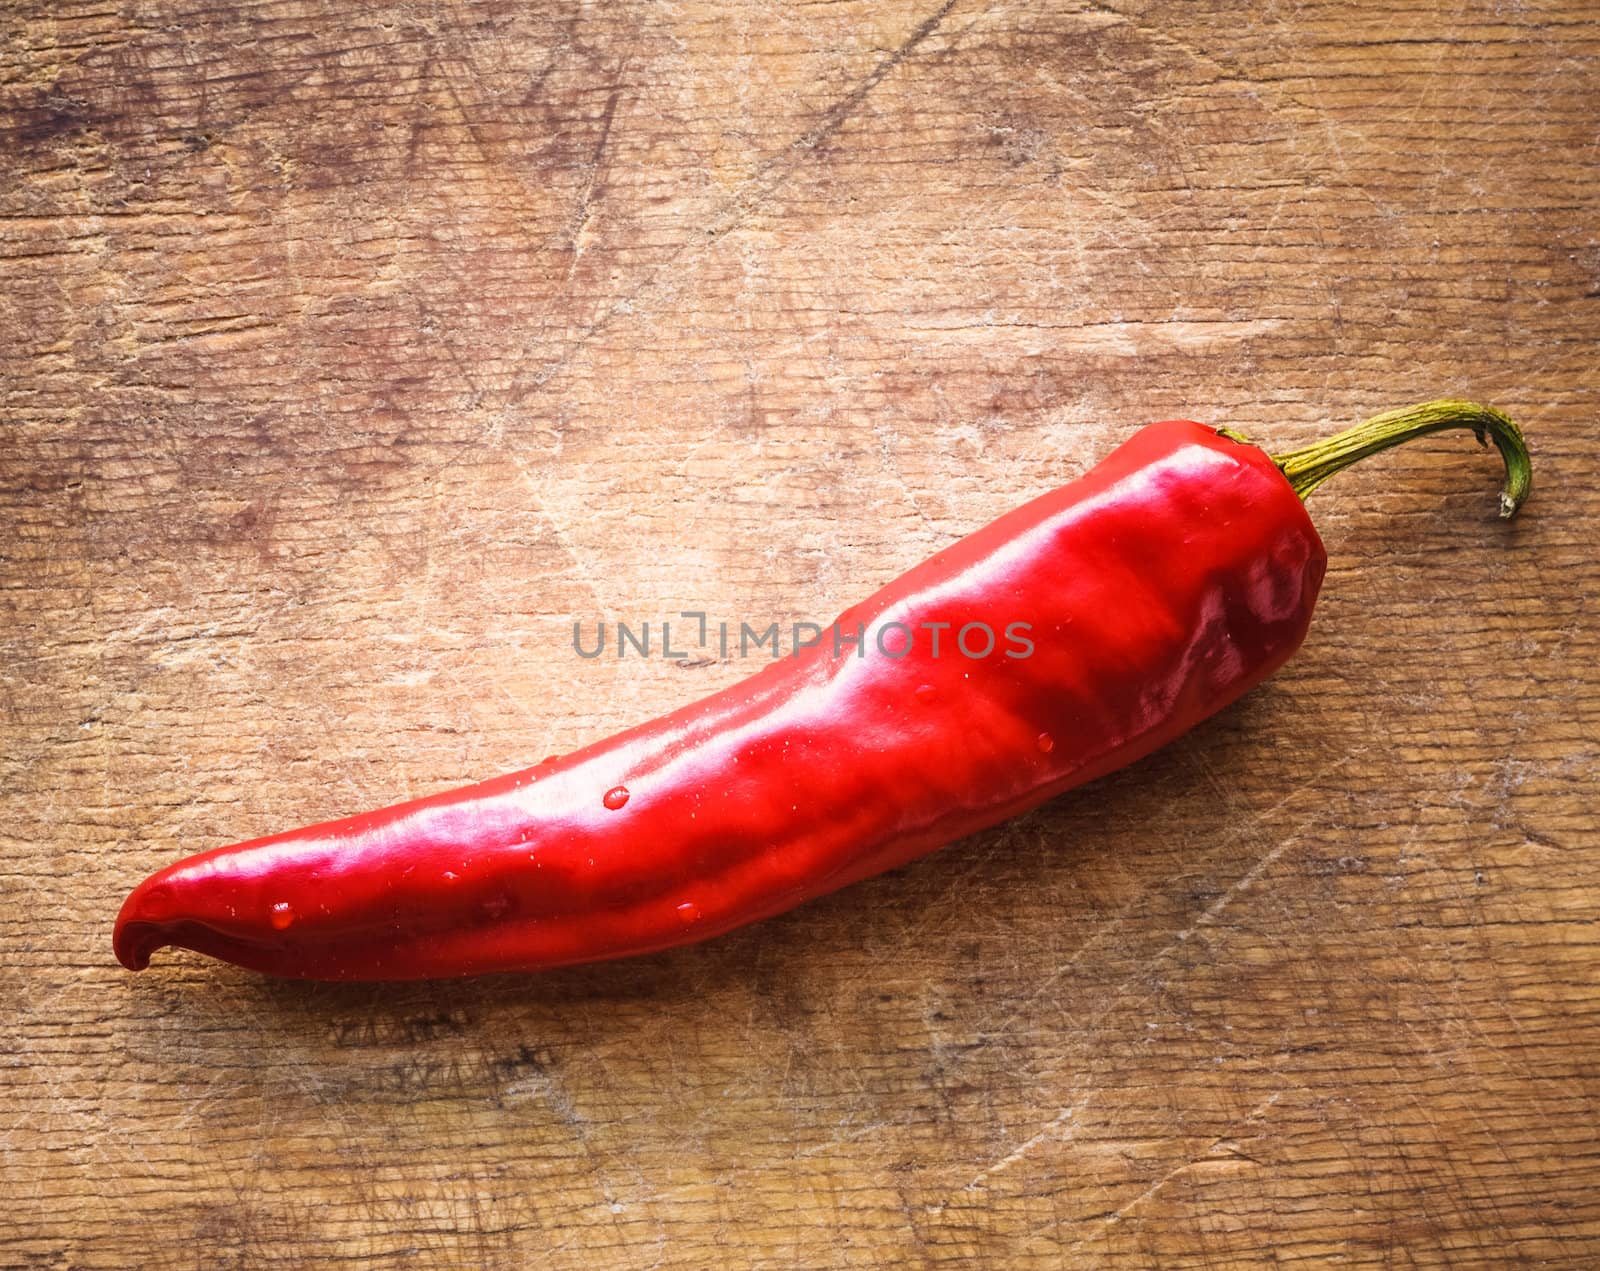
1162 585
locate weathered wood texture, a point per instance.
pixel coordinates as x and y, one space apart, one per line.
347 360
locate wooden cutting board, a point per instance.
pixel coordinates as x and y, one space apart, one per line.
348 360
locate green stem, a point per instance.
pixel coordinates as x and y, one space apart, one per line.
1310 466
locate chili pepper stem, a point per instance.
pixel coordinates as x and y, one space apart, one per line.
1310 466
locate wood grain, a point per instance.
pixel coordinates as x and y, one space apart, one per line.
347 361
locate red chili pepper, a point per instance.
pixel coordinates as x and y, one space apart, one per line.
1154 591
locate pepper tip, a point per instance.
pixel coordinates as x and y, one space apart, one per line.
133 943
138 931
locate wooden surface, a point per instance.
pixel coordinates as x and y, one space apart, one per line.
347 361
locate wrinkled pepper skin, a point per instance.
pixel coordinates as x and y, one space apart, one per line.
1158 588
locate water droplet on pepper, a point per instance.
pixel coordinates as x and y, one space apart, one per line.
615 797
